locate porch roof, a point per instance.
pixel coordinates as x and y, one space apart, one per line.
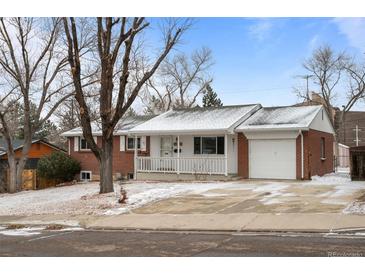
281 118
211 119
123 127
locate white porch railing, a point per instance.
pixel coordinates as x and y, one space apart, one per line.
189 165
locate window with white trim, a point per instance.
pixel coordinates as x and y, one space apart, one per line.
209 145
83 144
130 143
85 175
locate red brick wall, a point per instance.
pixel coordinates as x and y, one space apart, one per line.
313 165
242 154
318 166
123 161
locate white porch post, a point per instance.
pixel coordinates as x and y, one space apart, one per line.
178 154
226 155
135 156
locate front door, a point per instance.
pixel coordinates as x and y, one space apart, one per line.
166 146
166 152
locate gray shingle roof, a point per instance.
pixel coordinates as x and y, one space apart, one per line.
123 126
280 117
196 119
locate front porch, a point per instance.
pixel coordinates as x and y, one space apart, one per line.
183 165
188 157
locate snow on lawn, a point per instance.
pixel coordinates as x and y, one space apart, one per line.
83 198
58 200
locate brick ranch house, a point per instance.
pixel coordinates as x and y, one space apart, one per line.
247 141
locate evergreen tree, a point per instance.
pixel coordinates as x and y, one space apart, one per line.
210 98
47 130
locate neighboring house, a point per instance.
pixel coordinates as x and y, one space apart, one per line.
123 154
38 149
247 141
351 132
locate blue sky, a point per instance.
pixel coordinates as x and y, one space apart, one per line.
257 59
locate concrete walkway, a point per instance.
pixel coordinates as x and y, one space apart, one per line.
232 222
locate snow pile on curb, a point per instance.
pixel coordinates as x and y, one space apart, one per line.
27 231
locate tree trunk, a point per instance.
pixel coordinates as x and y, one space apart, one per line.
19 174
12 175
106 166
343 122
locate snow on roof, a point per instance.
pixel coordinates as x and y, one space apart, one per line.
123 126
196 119
280 118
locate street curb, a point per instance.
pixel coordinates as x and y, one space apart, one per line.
209 230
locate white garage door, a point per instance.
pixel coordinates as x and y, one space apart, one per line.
272 159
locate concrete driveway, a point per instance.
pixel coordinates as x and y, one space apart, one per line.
332 195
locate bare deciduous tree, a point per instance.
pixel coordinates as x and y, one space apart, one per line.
326 67
120 77
179 82
34 71
327 71
34 62
355 73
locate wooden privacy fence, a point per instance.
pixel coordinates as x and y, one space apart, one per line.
32 182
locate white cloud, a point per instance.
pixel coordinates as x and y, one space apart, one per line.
313 42
353 29
261 29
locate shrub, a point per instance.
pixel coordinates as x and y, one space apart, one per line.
58 166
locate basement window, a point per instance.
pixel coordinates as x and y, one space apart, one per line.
130 176
85 176
323 148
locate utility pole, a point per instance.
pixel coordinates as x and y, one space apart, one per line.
306 77
357 135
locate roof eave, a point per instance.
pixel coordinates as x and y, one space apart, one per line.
182 132
272 128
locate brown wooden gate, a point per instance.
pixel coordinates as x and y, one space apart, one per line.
29 179
357 163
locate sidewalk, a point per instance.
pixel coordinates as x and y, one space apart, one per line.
299 222
232 222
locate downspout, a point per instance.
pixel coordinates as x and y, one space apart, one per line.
302 153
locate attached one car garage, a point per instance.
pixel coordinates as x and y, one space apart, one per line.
285 143
272 159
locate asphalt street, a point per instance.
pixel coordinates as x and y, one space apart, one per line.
140 243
